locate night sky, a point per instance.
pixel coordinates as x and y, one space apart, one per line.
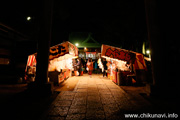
120 23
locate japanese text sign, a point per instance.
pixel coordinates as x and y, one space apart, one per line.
117 53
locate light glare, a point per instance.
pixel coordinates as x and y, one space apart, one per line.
148 51
76 44
28 18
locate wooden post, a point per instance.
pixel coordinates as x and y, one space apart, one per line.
45 23
157 26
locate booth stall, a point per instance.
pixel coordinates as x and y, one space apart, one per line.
124 67
60 62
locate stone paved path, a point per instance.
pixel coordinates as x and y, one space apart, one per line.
95 98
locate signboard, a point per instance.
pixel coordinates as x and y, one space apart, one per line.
91 55
62 49
73 50
58 50
117 53
65 49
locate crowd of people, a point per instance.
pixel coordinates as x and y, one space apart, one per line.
90 66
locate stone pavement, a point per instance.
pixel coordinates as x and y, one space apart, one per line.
95 98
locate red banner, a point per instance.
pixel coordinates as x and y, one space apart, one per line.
117 53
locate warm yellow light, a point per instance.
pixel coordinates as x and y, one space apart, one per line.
148 51
76 44
28 18
85 48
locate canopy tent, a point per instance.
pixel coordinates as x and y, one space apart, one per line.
60 62
58 52
31 60
115 53
130 65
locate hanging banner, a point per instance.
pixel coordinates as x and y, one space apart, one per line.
117 53
140 62
73 50
58 50
62 49
65 49
91 55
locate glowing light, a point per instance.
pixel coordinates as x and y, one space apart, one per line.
28 18
148 51
76 44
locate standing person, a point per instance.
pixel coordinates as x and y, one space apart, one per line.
90 66
79 66
104 62
85 66
82 66
96 66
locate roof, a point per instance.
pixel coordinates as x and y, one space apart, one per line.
84 40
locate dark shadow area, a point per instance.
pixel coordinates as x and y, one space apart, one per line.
159 104
165 104
26 105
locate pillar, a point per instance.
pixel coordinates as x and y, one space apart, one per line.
45 24
156 17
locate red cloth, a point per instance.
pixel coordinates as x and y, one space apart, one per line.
81 72
90 65
90 72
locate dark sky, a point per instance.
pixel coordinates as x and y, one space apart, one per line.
120 21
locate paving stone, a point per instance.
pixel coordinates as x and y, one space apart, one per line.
115 90
77 106
105 92
94 105
111 106
112 87
80 94
82 86
117 94
93 90
76 117
112 110
120 97
77 110
93 94
102 87
99 82
80 98
92 87
63 103
81 90
79 102
83 83
69 93
65 97
58 111
109 96
93 112
93 98
95 101
96 117
106 101
55 118
126 105
115 117
92 83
